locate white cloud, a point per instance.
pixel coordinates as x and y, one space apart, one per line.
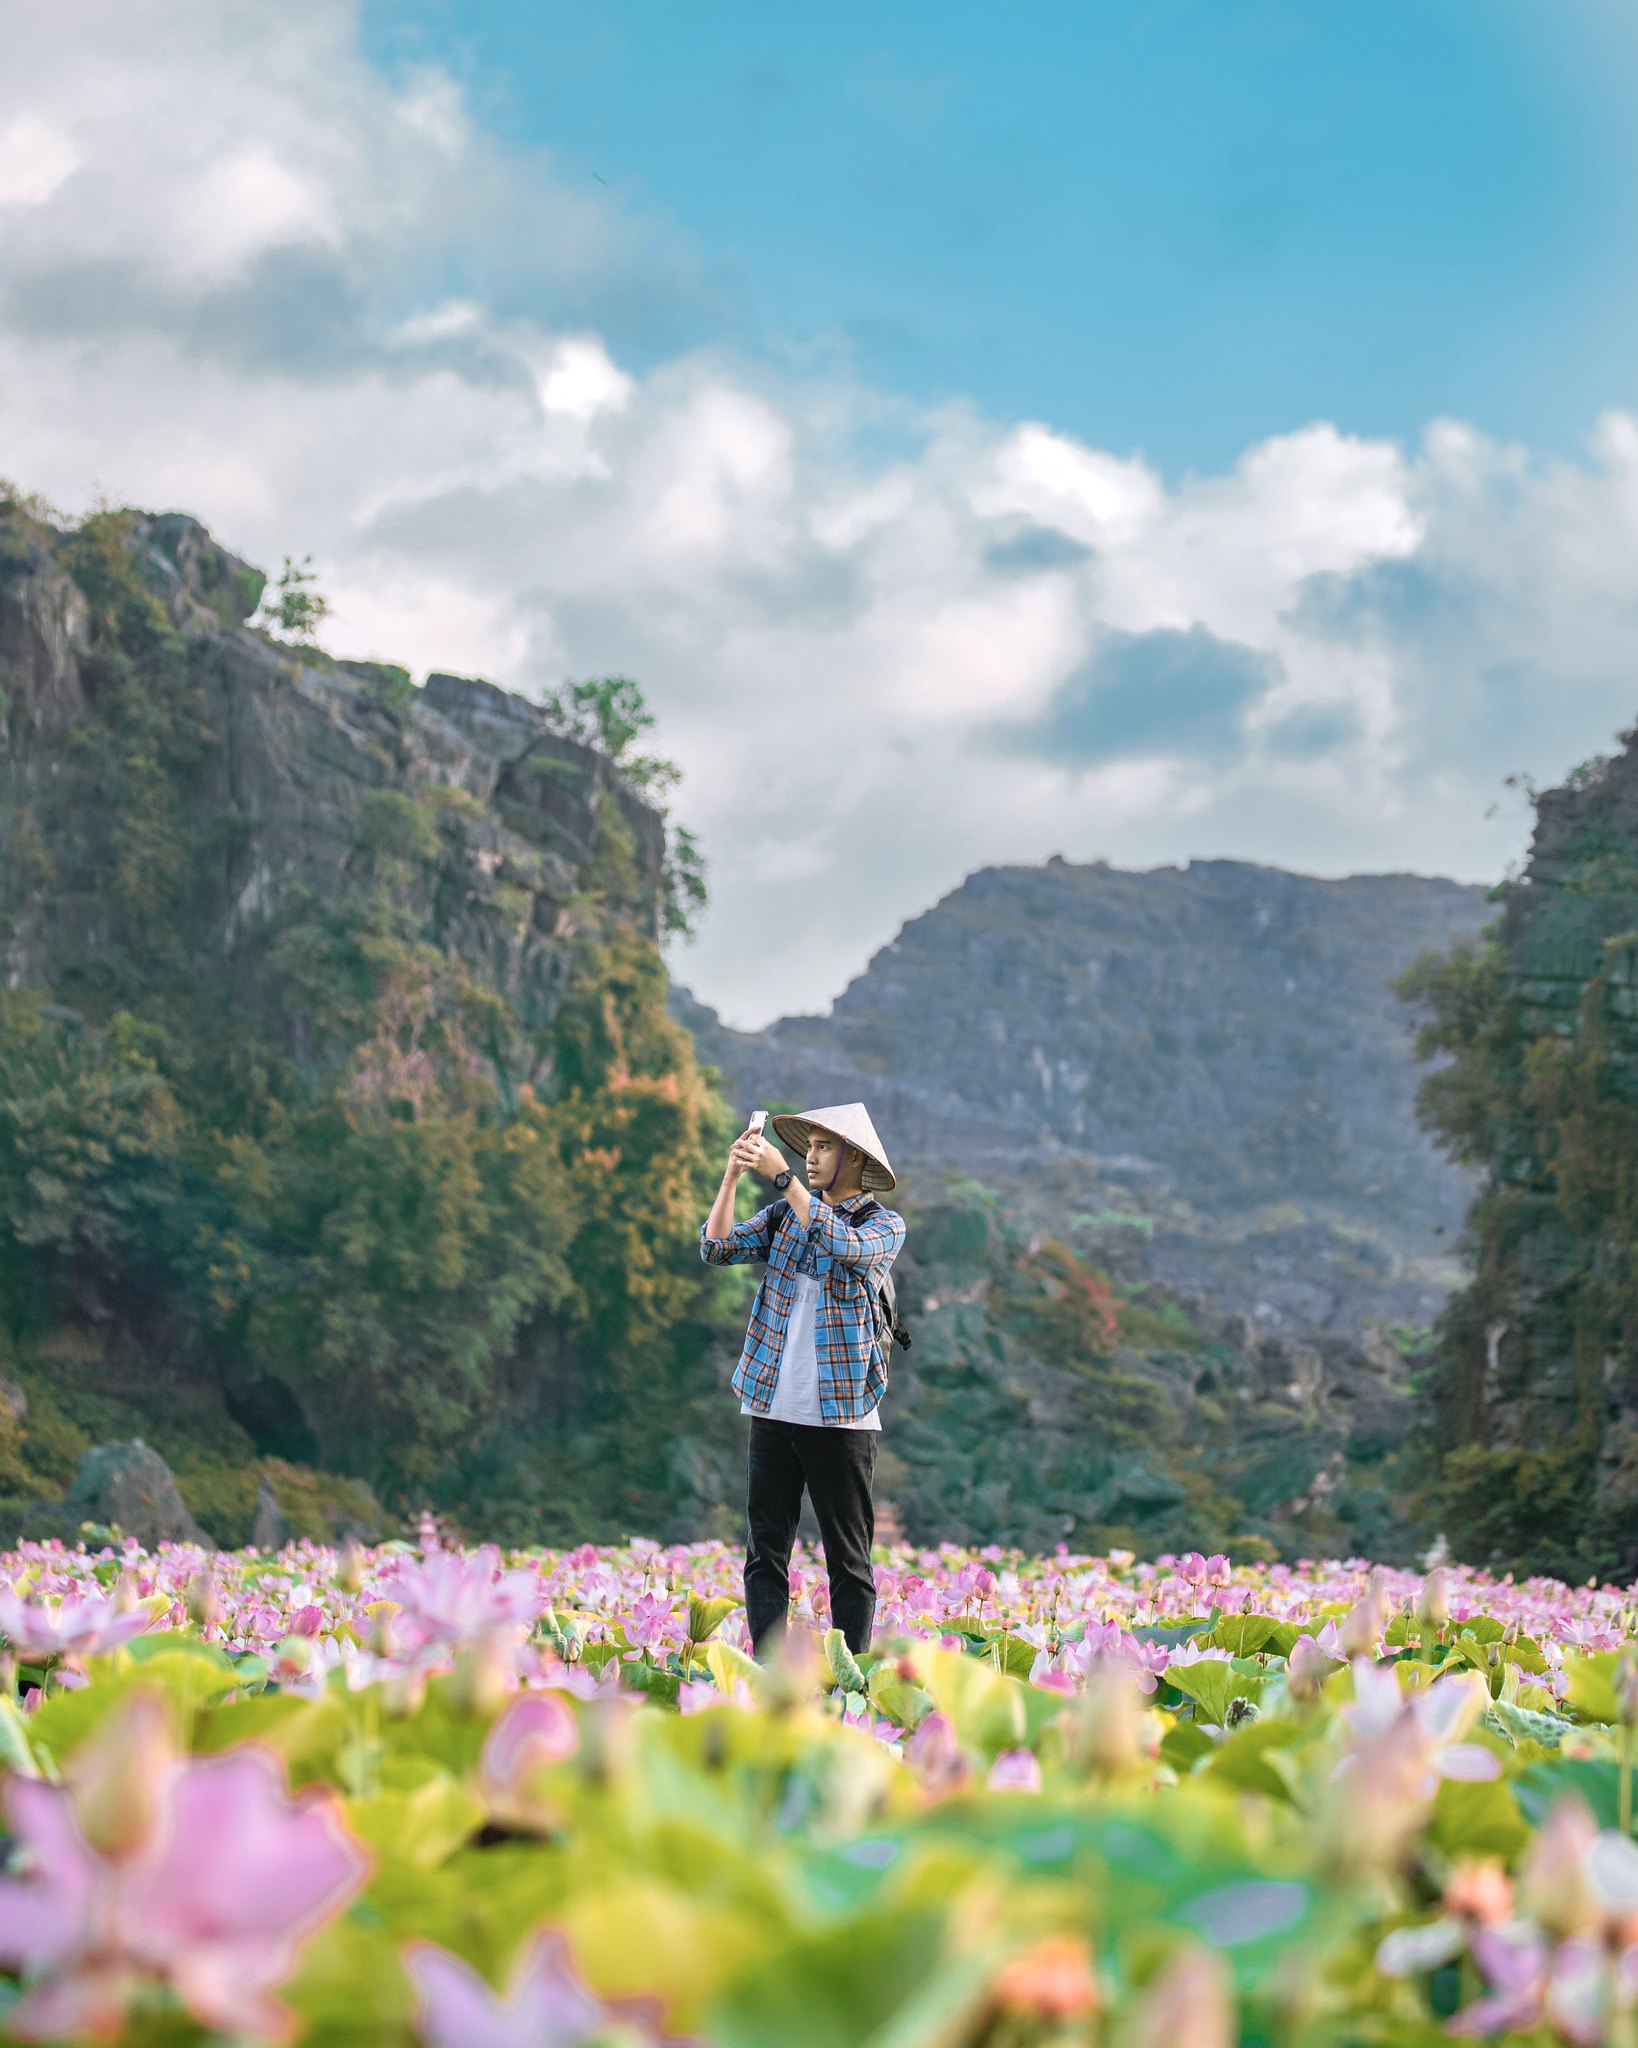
241 278
582 381
34 160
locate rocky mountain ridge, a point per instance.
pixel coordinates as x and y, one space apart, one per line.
1202 1069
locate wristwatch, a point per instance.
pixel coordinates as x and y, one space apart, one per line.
782 1180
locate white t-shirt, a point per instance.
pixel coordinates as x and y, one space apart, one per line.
796 1390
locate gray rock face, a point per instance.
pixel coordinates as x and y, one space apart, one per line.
129 1486
1212 1053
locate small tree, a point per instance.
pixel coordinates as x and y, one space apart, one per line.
294 607
685 891
607 712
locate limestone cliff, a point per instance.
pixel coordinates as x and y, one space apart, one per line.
1533 1396
294 748
317 990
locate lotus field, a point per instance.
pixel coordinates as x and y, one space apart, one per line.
474 1800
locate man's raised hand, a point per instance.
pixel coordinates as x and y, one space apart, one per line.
755 1155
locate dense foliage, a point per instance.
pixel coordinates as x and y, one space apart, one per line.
1041 1403
426 1795
1532 1387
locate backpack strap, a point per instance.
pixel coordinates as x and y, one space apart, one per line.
886 1291
777 1212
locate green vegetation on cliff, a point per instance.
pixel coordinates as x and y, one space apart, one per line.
326 1191
1532 1390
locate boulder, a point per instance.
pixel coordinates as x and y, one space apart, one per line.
126 1486
270 1525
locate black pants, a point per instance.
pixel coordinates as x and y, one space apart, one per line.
837 1467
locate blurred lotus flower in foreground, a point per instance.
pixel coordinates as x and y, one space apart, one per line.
546 2006
1555 1879
203 1875
535 1730
1426 1725
1576 1987
1403 1744
1107 1734
1053 1980
1015 1770
81 1625
1187 2005
934 1754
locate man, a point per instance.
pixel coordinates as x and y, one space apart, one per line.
814 1366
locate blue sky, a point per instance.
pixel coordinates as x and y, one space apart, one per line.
1143 432
1171 227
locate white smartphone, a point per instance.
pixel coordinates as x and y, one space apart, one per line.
758 1118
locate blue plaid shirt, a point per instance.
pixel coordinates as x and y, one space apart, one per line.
848 1246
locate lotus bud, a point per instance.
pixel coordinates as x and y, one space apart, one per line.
1306 1669
1104 1734
934 1754
403 1694
794 1674
1187 2005
1053 1980
1626 1688
1361 1629
1479 1889
606 1736
120 1775
1433 1604
123 1599
381 1613
479 1683
204 1601
350 1565
1554 1888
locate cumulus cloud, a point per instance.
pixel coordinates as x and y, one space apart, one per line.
253 278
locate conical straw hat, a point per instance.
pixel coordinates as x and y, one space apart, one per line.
849 1121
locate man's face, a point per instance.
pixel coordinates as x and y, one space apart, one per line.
825 1153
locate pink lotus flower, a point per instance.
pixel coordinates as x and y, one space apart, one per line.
545 2006
1427 1724
82 1625
1308 1667
202 1874
448 1597
649 1623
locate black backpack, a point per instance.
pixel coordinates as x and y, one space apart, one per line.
887 1295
